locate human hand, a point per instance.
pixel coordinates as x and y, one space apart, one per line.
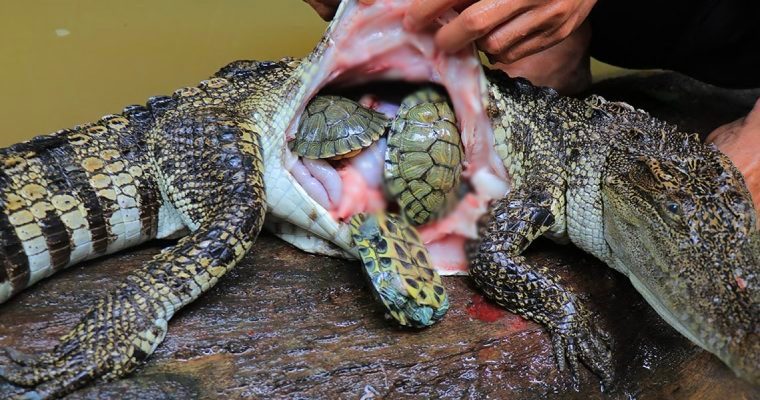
507 30
740 141
325 8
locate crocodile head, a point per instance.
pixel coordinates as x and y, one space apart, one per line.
367 43
681 225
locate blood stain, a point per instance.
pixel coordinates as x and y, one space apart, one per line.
483 310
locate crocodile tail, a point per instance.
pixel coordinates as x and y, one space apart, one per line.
132 321
221 196
71 196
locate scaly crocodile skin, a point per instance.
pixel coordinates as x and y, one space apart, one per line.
653 203
189 162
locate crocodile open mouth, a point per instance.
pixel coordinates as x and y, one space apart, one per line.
367 43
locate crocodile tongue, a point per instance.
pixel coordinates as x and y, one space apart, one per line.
367 43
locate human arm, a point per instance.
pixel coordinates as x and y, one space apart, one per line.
325 8
507 30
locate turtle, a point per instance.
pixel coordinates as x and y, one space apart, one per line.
397 265
335 127
423 161
395 260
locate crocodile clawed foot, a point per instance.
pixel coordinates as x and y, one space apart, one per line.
105 345
20 358
43 377
588 344
68 367
53 374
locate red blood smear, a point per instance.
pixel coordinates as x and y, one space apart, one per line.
741 282
516 323
483 310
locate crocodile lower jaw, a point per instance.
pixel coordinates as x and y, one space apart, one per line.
368 43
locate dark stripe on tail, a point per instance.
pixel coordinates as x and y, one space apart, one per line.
56 233
150 201
80 184
134 151
15 265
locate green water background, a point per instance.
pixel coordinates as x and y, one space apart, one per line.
70 62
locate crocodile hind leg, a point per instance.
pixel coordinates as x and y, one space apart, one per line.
535 292
211 171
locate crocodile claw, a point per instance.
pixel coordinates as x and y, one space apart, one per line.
586 343
18 357
50 375
109 342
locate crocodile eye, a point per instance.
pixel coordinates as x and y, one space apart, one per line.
671 211
672 207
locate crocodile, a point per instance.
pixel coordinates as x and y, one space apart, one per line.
207 164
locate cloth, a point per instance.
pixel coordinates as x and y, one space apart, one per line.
714 41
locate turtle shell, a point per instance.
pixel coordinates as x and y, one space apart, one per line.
398 267
423 161
334 126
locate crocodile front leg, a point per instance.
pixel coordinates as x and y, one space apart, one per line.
535 292
210 170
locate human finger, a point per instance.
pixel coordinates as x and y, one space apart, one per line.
535 30
325 8
421 13
477 21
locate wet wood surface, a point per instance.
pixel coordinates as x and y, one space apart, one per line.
285 324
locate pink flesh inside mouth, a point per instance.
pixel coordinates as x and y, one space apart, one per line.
369 44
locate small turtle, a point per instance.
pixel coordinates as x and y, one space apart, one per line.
423 162
334 126
398 267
